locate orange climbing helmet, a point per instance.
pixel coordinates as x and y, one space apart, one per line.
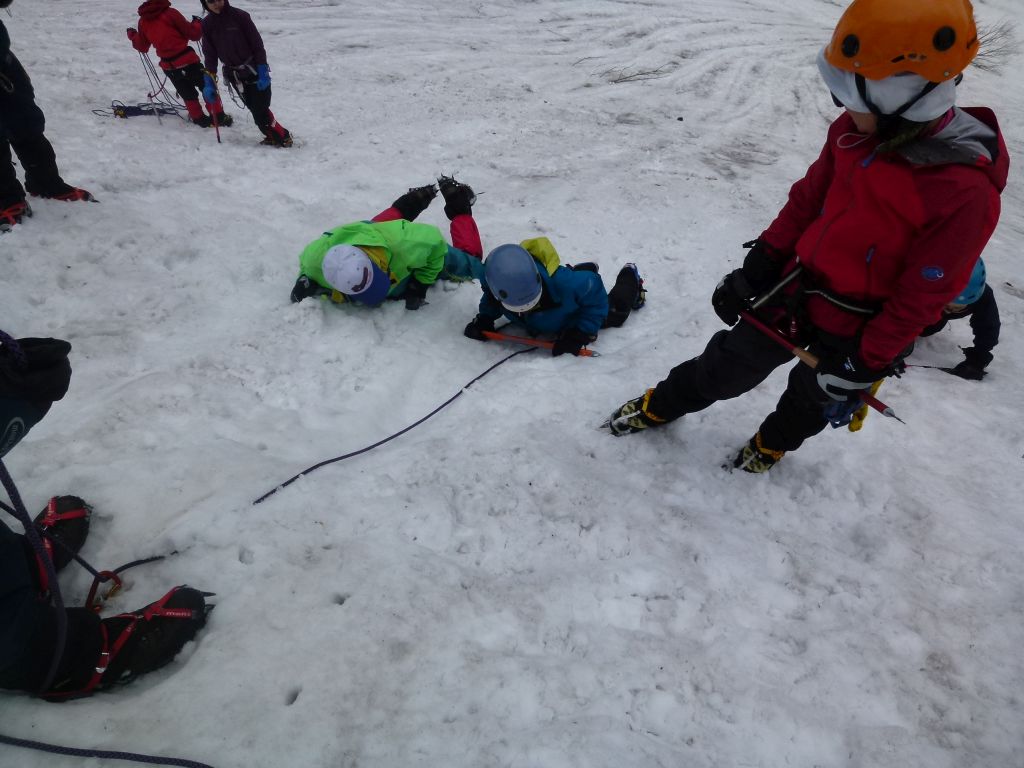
935 39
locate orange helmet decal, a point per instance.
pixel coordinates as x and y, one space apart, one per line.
935 39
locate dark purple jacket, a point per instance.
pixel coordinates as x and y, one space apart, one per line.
231 37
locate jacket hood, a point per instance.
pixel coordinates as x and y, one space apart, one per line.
972 137
153 8
227 4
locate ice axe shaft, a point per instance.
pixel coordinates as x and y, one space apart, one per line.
811 360
495 336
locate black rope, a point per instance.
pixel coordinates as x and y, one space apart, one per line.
446 403
103 754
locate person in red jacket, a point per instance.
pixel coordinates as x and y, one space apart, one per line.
877 238
230 36
165 29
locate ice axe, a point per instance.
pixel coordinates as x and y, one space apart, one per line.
811 360
495 336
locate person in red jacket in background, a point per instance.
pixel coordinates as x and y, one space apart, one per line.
165 29
230 36
883 232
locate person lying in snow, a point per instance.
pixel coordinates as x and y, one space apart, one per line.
96 654
526 284
390 257
977 302
21 128
885 227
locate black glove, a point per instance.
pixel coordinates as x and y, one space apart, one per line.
41 373
843 376
972 367
475 329
305 287
415 294
732 296
415 201
762 266
571 341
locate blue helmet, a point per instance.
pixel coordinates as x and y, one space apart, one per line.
975 286
512 276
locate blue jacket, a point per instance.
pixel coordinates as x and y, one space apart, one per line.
570 298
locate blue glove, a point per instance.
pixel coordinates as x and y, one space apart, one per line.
262 77
209 89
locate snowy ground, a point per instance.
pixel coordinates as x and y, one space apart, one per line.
504 585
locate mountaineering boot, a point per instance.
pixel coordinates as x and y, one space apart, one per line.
13 214
755 458
626 295
64 526
458 197
274 140
415 201
633 416
70 195
142 641
275 134
629 287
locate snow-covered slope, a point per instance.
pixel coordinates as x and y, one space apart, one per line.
503 585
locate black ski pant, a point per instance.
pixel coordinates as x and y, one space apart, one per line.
733 363
21 127
28 626
258 103
188 81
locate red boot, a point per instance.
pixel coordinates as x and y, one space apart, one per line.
13 214
73 194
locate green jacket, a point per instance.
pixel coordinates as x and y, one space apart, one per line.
401 248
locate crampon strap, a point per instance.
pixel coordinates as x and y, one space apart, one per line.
50 517
110 652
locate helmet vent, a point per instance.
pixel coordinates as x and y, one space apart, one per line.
944 39
851 46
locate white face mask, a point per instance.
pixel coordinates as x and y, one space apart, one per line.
889 94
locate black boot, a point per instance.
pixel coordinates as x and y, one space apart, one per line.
147 639
64 525
458 197
415 201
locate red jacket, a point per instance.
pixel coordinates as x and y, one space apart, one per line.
166 30
899 231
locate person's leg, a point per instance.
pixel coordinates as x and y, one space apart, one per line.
11 191
28 625
191 82
466 235
734 362
184 83
258 103
459 265
800 413
626 295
